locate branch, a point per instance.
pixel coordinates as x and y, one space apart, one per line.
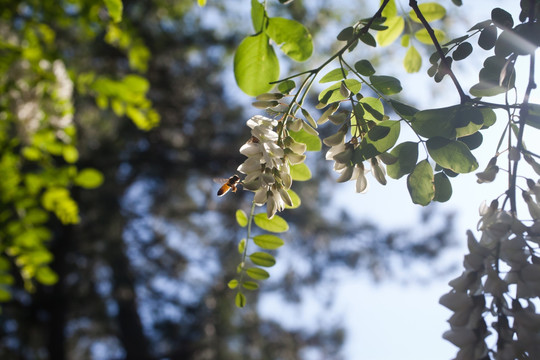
414 5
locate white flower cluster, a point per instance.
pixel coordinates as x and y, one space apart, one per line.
267 165
342 154
501 268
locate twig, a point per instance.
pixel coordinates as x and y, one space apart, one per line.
414 5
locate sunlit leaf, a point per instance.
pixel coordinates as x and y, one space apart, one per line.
242 246
296 201
334 75
285 87
268 242
374 109
276 225
300 172
294 38
407 155
390 10
241 218
452 154
89 178
423 36
115 8
250 285
262 259
257 15
257 273
431 12
332 93
313 142
420 183
395 25
46 276
255 65
240 300
233 284
403 110
384 135
412 61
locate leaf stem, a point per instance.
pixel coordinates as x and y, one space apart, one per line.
414 5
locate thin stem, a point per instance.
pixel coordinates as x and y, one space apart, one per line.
414 5
248 236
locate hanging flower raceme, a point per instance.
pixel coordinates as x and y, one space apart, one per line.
267 165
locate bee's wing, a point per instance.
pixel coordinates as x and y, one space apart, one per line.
220 181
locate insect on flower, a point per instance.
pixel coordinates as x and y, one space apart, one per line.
230 184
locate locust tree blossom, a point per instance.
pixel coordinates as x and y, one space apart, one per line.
267 167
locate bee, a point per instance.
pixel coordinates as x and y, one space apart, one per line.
230 184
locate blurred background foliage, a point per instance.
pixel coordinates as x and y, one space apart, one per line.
131 261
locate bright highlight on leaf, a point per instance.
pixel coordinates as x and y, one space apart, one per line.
395 25
268 242
424 37
262 259
276 225
115 8
241 218
255 65
89 178
431 12
292 36
201 2
300 172
412 61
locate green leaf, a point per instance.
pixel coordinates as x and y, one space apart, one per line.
473 141
240 300
422 35
488 37
233 284
436 122
412 61
46 276
262 259
257 273
431 12
407 155
368 39
255 65
114 7
70 154
89 178
334 75
405 111
420 183
390 10
201 3
443 188
313 142
533 117
374 109
5 295
296 39
296 202
395 25
257 15
285 87
250 285
242 246
387 85
364 67
268 242
384 135
276 225
241 218
332 93
502 18
452 154
300 172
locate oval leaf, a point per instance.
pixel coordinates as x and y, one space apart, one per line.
387 85
250 285
296 39
276 225
241 218
332 93
255 65
233 284
452 154
240 300
313 142
384 135
443 188
431 12
364 67
257 273
422 35
268 242
395 25
334 75
296 202
420 183
463 50
262 259
407 155
412 61
89 178
300 172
